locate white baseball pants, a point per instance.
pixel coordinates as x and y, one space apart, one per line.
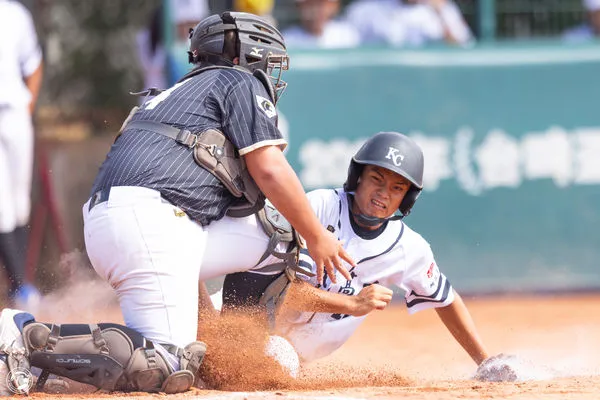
235 245
150 253
16 164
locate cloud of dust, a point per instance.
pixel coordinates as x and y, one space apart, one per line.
235 357
83 297
569 351
236 361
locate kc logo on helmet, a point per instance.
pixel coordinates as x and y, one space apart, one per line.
394 156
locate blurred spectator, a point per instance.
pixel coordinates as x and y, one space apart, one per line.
159 70
186 14
262 8
319 28
151 52
589 30
20 81
409 22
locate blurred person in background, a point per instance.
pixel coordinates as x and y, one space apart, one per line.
262 8
318 27
160 70
186 14
410 23
589 30
151 51
20 81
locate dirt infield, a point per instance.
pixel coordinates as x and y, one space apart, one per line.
394 355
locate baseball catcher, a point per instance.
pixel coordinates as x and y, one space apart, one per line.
206 147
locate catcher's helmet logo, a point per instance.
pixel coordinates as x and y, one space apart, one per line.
394 156
266 106
256 52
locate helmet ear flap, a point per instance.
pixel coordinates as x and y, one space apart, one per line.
354 171
409 200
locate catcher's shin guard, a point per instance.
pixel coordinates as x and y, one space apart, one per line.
109 357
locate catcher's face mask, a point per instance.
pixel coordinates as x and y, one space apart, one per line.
276 64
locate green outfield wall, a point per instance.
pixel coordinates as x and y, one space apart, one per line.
511 136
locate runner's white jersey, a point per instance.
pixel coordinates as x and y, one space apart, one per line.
396 257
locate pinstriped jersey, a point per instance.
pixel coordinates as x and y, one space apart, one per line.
227 99
394 256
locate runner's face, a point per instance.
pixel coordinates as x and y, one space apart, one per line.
379 192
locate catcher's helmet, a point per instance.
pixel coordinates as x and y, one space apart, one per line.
395 152
260 46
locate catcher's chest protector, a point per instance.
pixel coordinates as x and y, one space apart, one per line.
113 357
212 150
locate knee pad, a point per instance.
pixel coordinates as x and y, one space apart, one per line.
109 357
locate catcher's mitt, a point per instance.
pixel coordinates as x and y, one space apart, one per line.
498 368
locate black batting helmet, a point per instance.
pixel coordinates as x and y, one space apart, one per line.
395 152
260 46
